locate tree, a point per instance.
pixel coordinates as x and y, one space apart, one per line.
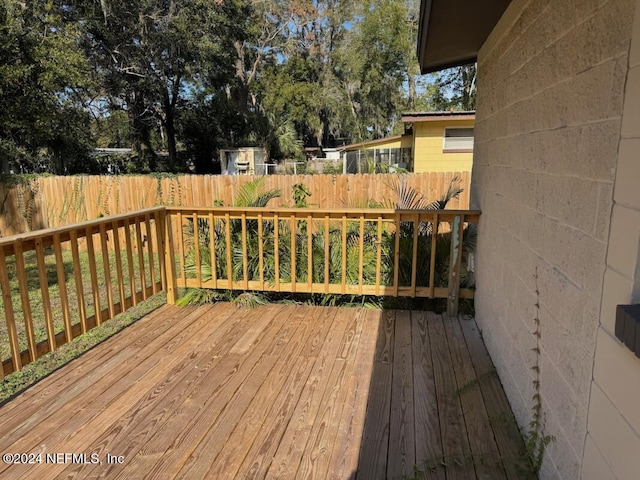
343 75
381 44
451 89
42 123
151 53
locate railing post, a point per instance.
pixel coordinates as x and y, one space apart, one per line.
165 238
9 316
455 261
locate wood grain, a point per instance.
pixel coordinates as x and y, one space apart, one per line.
455 443
484 451
372 463
278 392
505 430
427 425
402 453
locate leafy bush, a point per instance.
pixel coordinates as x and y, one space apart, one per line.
253 195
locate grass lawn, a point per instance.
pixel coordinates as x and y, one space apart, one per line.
36 298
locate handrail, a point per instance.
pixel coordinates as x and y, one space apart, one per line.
331 211
27 239
59 283
382 252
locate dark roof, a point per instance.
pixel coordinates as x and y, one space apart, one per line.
434 116
451 32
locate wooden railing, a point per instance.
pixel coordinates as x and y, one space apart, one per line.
59 283
353 251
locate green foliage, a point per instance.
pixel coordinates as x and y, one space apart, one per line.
249 300
332 168
300 194
341 70
192 77
42 124
451 89
536 441
148 53
252 194
378 64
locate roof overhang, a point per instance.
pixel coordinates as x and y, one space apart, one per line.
358 146
451 32
413 117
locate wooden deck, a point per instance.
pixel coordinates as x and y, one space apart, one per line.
277 392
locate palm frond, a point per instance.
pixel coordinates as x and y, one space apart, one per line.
200 296
452 192
249 300
252 194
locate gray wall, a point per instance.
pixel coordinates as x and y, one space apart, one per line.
549 115
612 449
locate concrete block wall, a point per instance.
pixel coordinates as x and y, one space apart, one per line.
613 428
550 104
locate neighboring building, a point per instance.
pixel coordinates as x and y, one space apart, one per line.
377 155
556 173
441 141
433 142
244 161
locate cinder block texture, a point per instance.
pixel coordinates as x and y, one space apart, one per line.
628 177
551 97
595 466
617 373
613 436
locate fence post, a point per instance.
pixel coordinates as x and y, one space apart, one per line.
166 237
455 261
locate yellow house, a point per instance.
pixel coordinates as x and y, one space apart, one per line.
433 142
441 141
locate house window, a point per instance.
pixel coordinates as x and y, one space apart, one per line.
458 140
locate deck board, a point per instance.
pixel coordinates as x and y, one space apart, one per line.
128 395
402 454
97 360
454 436
484 451
266 441
278 392
206 405
375 442
427 427
316 456
290 451
92 392
501 418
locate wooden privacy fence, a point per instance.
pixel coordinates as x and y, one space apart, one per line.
53 290
59 283
399 253
48 202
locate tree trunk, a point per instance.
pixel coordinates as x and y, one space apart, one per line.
140 134
169 126
468 86
242 93
412 90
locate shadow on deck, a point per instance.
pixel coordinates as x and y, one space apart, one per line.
276 392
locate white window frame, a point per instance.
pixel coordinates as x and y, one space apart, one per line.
458 148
